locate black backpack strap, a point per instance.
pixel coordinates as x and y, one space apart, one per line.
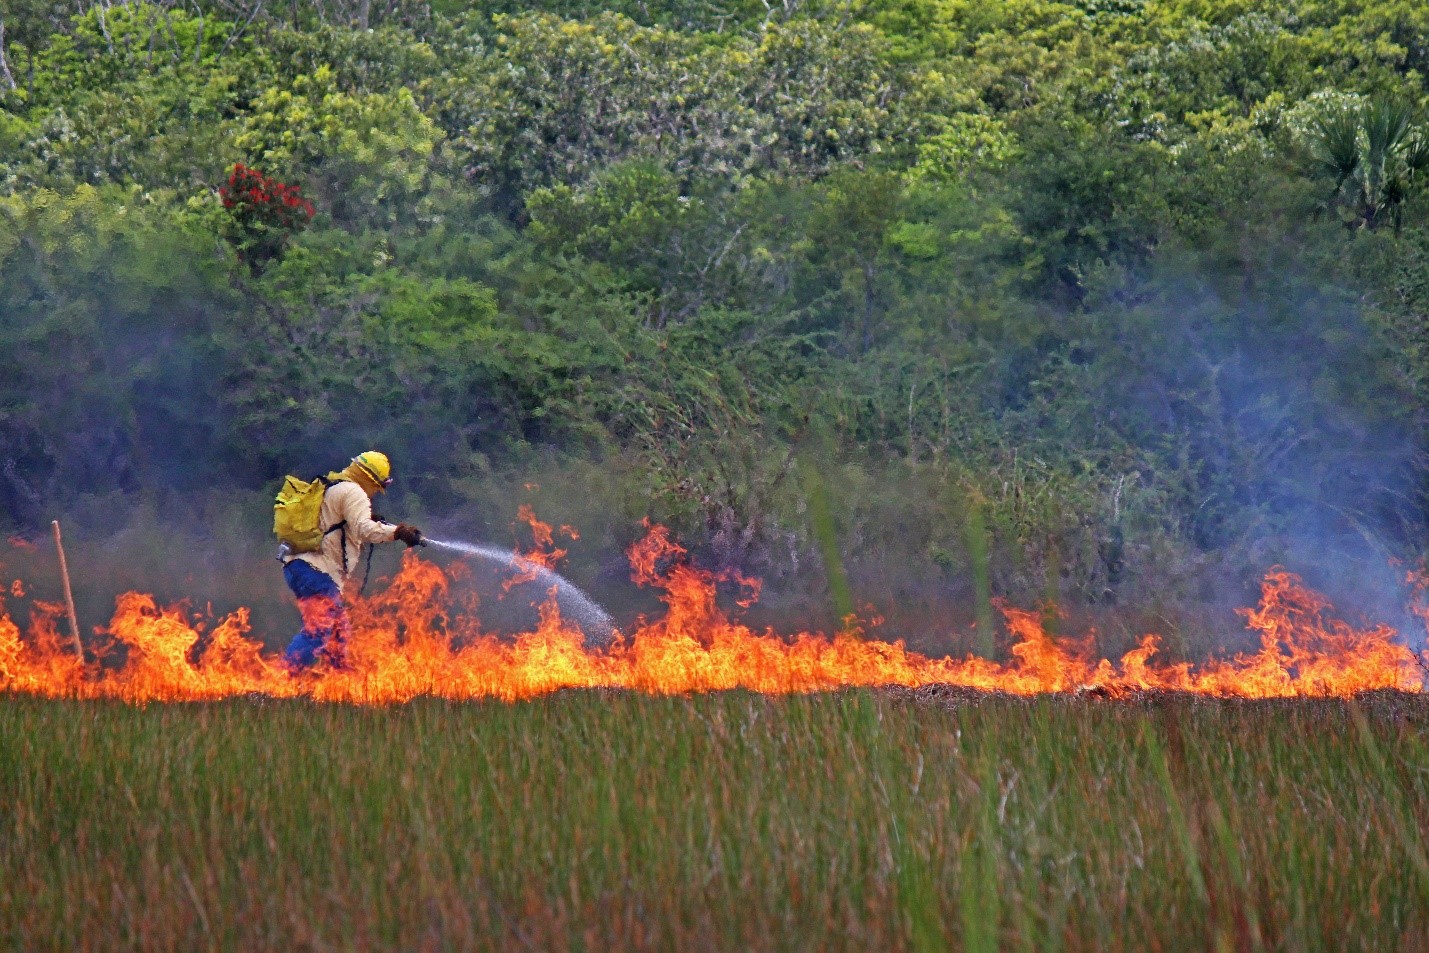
340 527
368 574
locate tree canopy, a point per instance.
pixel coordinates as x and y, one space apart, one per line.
1131 287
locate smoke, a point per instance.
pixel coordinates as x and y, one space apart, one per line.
1296 443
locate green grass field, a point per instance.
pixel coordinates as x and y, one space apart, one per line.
860 820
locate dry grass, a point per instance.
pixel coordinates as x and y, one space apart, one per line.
860 820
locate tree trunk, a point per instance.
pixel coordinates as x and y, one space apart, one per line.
4 63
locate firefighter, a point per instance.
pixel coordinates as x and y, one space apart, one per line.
319 578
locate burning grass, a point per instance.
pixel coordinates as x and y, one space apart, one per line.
892 819
419 637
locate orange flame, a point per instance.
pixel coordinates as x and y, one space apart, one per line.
419 638
543 553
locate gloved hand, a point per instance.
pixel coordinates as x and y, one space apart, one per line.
408 534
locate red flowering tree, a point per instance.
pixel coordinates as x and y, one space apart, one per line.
263 214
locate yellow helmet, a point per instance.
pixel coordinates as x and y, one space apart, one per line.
375 465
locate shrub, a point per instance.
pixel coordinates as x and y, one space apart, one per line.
264 214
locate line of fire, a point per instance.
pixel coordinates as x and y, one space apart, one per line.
421 637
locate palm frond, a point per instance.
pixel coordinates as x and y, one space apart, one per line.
1416 154
1395 190
1387 125
1336 146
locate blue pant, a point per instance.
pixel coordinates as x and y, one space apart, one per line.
325 624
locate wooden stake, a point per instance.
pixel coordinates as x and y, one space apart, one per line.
69 594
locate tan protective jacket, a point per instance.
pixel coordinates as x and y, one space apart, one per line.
346 502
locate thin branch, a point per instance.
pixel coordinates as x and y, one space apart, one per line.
129 33
252 15
719 259
1423 667
198 44
153 36
175 48
4 63
104 25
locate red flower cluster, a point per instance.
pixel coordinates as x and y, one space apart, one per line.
264 214
250 193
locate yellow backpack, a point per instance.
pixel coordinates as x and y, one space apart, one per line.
297 514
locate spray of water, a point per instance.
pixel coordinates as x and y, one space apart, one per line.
576 607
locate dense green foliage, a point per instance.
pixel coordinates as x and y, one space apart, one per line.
1043 299
854 821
